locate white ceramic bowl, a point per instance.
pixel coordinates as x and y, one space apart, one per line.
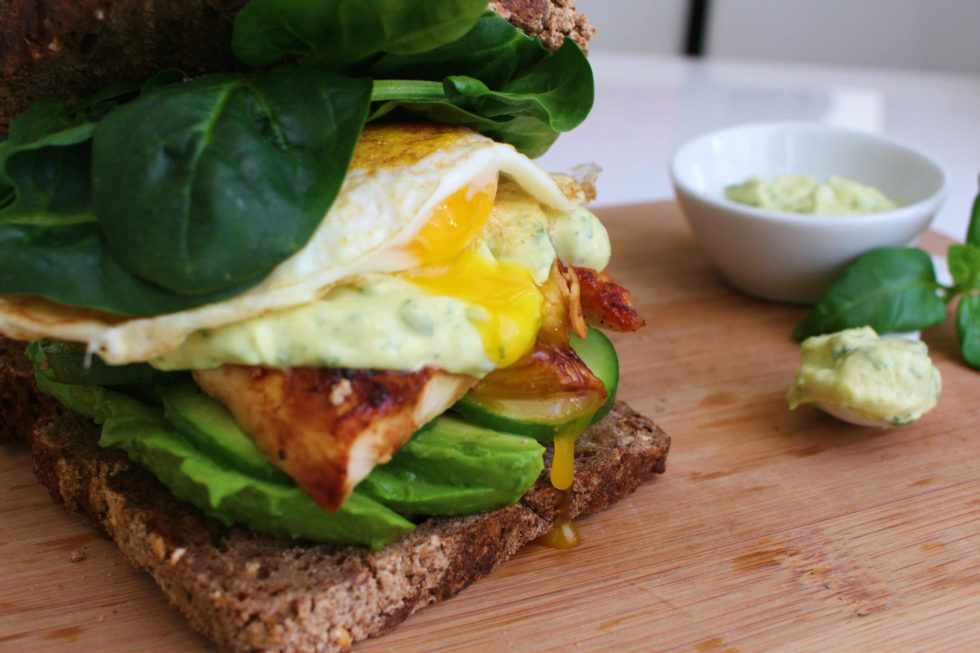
789 257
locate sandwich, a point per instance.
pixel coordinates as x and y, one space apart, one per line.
305 329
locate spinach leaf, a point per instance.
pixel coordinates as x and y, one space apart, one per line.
44 165
49 183
964 266
95 107
559 91
494 52
338 33
528 111
206 185
968 328
889 289
45 118
68 263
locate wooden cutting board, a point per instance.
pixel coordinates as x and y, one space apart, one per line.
771 530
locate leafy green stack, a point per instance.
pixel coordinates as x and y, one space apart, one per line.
73 175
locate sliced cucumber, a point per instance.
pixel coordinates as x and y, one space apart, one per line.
599 354
542 419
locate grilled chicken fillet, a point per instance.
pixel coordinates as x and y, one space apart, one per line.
328 427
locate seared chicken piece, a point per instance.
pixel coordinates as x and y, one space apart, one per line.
605 303
328 427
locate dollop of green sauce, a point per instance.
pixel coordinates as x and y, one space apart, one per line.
803 194
888 381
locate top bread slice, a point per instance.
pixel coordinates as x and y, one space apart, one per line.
252 592
72 49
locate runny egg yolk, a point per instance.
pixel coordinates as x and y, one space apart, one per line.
454 224
450 265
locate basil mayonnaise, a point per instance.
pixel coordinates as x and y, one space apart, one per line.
888 381
803 194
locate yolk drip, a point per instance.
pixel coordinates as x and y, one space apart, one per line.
452 267
563 533
563 464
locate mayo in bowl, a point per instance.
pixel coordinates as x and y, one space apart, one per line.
804 194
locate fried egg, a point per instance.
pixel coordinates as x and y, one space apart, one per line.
415 250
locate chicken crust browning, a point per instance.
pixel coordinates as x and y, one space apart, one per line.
605 303
328 427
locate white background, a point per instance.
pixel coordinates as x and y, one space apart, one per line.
650 101
942 35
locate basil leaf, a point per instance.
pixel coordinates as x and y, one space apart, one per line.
338 33
964 266
68 264
206 185
973 229
494 52
890 289
968 328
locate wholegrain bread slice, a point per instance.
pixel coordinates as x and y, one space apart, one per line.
252 592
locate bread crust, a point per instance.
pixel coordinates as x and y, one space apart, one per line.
72 49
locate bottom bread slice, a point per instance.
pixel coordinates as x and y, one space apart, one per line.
252 592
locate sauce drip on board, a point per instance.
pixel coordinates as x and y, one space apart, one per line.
563 534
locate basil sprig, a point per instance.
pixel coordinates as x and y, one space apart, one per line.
895 290
154 199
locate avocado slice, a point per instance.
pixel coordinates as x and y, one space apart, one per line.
233 497
531 418
209 426
450 467
218 490
192 445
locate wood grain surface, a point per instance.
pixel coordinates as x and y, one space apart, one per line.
771 530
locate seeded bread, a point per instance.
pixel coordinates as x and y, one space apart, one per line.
551 21
72 49
252 592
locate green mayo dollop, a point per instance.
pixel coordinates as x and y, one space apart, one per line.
886 381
